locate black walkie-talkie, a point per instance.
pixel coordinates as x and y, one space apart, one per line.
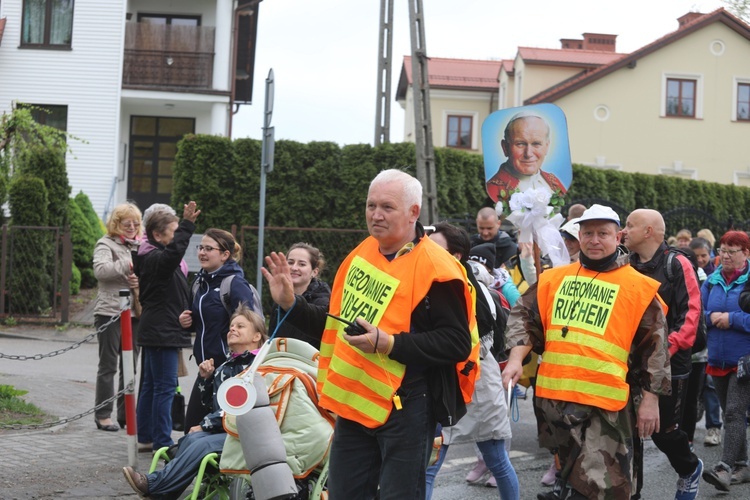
352 328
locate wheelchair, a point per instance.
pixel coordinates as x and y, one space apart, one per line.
210 483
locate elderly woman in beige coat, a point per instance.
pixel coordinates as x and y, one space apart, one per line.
113 268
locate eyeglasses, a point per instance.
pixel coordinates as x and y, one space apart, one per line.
206 248
129 224
726 251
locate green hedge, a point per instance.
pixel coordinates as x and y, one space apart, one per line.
49 166
323 185
30 282
85 232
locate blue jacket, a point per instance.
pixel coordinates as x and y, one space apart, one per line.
210 317
725 347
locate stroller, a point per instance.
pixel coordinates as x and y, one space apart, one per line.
289 371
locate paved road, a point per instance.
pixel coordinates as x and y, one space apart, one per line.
78 461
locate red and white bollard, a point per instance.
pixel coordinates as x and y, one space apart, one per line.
128 376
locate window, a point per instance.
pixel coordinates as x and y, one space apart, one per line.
743 101
175 20
47 23
681 96
52 115
459 132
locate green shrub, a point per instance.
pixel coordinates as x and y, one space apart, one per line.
91 233
30 281
95 223
49 166
81 236
75 280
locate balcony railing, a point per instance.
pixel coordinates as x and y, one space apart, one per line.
168 56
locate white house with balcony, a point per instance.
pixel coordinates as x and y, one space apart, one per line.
130 78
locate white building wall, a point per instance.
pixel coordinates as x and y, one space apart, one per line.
86 79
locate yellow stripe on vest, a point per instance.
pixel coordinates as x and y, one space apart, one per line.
586 388
584 362
589 341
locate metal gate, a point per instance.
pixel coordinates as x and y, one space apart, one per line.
35 272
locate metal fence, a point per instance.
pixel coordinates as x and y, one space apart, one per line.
35 272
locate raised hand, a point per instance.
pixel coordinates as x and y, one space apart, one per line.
190 213
279 279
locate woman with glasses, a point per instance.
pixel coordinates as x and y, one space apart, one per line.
213 304
113 268
729 340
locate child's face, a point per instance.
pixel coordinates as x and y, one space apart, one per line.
242 335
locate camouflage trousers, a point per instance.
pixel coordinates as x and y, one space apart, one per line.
595 447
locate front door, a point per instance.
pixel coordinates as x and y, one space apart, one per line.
153 147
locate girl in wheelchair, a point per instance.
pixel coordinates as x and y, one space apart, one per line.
247 332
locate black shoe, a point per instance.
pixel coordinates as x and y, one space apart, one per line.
547 496
121 423
108 427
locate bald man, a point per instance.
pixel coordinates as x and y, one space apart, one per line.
643 235
575 211
488 231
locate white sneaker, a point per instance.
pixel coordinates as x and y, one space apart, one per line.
549 477
713 437
476 474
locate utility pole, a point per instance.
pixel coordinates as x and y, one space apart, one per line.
385 58
422 115
266 167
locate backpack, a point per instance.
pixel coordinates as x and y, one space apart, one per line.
225 290
700 334
289 370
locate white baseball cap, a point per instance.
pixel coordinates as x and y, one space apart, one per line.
571 227
598 212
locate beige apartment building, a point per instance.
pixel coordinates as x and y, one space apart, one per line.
678 106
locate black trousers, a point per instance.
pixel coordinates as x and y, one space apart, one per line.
671 439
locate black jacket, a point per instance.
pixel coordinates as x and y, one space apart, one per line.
209 387
318 294
164 290
682 296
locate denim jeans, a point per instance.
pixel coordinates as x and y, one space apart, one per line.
180 472
711 404
158 386
394 455
496 458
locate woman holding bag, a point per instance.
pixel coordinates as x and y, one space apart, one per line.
113 268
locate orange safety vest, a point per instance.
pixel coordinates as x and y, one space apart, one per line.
360 386
601 312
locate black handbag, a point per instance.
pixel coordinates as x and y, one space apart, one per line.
178 411
743 368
